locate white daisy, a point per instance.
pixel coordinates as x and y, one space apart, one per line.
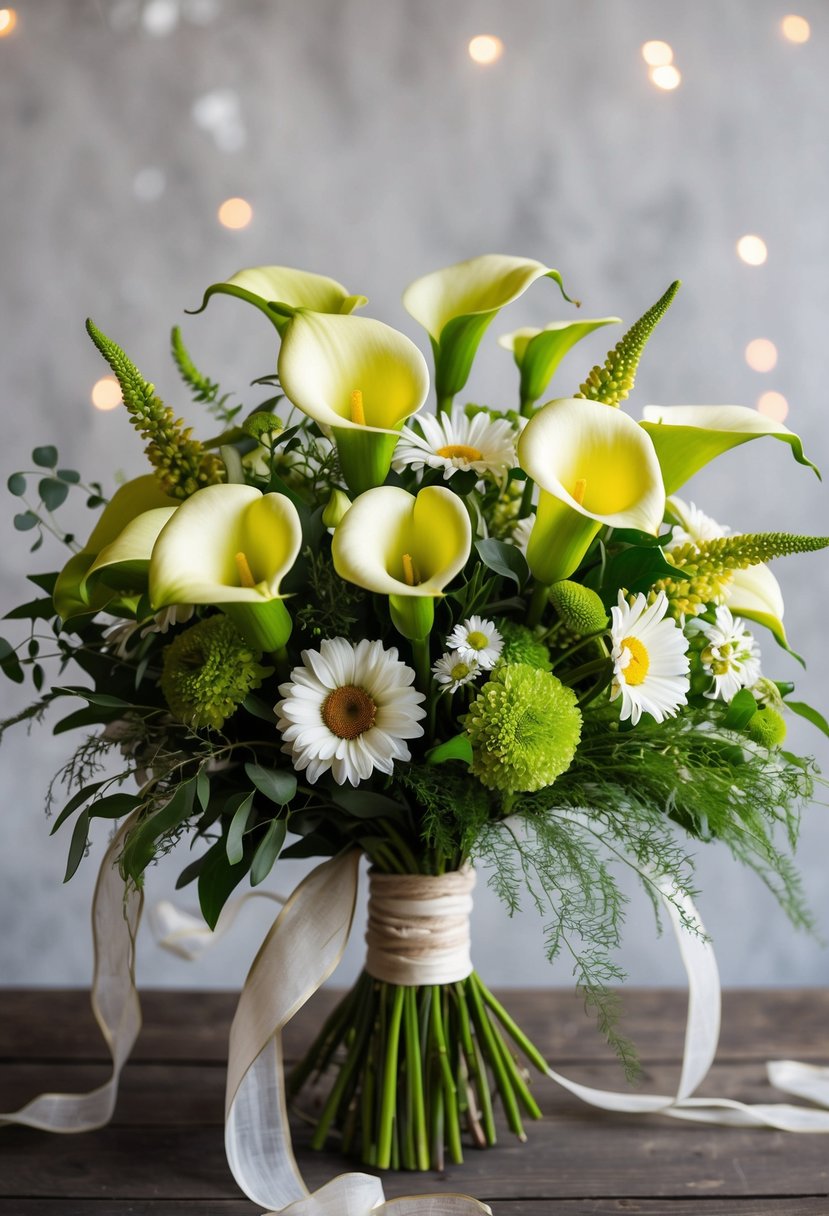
650 663
731 656
454 442
477 639
454 669
695 526
348 709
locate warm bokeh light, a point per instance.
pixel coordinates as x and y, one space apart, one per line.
106 393
752 250
235 213
8 20
773 405
485 48
761 355
666 77
795 29
657 54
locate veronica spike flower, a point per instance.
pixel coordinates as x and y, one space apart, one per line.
456 304
230 545
405 546
358 377
538 352
592 469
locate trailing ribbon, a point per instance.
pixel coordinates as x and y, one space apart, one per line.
300 951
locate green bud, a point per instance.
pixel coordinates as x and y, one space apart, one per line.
337 505
579 607
767 728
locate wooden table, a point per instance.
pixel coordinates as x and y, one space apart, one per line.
163 1153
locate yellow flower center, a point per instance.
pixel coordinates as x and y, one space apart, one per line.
579 490
477 640
358 414
460 451
244 571
639 663
348 711
410 572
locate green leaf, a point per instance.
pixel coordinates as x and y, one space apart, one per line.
77 799
45 582
538 352
77 847
234 846
11 669
635 569
190 872
140 849
457 748
741 709
217 879
46 457
17 484
277 784
91 716
114 806
202 788
504 559
810 714
25 521
69 475
95 698
52 492
258 708
6 649
35 610
267 851
366 804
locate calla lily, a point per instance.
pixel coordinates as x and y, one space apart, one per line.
687 437
456 304
538 352
405 546
278 290
755 594
231 546
125 562
592 468
360 378
129 501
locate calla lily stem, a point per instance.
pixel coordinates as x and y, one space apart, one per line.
538 603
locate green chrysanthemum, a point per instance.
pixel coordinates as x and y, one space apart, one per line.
208 671
524 727
579 607
522 646
767 727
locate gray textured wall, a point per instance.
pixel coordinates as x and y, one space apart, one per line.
372 149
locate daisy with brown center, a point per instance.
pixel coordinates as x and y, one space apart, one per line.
650 663
456 443
349 709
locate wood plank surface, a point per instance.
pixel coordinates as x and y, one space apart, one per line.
163 1152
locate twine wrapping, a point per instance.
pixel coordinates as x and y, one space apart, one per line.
418 927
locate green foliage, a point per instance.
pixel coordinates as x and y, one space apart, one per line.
612 383
332 607
205 391
452 810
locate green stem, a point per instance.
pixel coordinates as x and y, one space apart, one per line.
527 404
363 1029
422 665
453 1130
513 1029
389 1099
571 650
493 1057
445 404
587 669
526 499
414 1064
475 1066
537 604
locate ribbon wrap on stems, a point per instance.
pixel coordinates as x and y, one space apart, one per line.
300 951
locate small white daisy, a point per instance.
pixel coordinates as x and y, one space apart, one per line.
695 527
348 709
453 442
453 670
477 639
650 663
731 657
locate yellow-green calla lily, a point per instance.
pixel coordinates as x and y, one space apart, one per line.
594 466
124 563
456 304
358 377
405 546
755 594
687 437
231 546
538 352
278 290
129 501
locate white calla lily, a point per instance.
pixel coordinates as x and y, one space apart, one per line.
687 437
594 466
456 304
231 546
358 377
538 352
278 290
125 561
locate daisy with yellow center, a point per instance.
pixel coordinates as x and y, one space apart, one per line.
731 656
456 443
650 661
477 639
348 710
452 670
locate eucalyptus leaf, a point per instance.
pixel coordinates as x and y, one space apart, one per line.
52 492
17 484
277 784
234 845
366 804
140 847
24 521
77 847
217 880
202 788
46 457
267 851
810 714
95 698
505 559
77 799
114 806
70 475
35 610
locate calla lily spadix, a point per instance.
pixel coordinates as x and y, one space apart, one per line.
405 546
278 290
594 466
130 500
687 437
358 377
230 545
456 304
538 352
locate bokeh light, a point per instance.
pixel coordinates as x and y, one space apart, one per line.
657 54
752 250
235 213
106 393
761 355
8 20
773 405
485 48
795 29
666 77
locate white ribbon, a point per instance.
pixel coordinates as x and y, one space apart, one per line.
300 951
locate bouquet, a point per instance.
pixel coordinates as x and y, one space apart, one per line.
475 635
